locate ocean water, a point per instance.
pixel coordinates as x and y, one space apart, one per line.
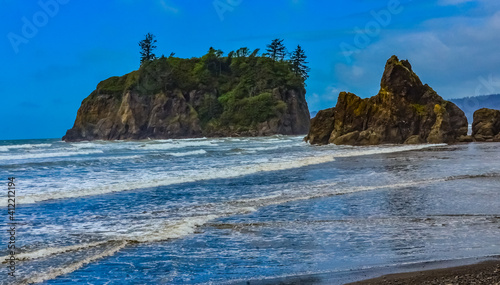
233 210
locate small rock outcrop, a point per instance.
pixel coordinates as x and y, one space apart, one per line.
211 96
486 125
404 111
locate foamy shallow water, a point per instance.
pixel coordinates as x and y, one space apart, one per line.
236 209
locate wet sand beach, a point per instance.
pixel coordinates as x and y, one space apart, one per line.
487 272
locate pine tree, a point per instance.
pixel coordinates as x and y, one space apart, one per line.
147 47
299 63
276 50
242 52
255 52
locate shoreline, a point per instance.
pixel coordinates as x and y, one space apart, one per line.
485 272
468 270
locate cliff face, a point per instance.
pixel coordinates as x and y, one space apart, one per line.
486 125
182 98
404 111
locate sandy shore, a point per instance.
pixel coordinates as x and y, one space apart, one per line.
487 272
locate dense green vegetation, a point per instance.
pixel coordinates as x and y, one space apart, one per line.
237 89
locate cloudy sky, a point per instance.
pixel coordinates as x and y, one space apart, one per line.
56 51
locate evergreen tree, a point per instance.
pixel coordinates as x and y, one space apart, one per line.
147 46
299 63
276 50
242 52
255 52
213 60
219 53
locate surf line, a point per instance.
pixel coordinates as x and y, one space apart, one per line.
11 210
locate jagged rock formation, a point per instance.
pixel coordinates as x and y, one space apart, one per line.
404 111
183 98
486 125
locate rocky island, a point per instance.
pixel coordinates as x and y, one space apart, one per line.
486 125
404 111
240 94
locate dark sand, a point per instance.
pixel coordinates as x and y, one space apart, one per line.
487 272
452 272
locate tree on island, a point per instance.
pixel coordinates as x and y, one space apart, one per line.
147 47
299 63
242 52
212 60
276 50
255 52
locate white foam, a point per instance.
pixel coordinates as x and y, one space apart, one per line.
120 157
191 176
83 145
320 191
176 144
52 251
194 152
205 174
253 149
383 150
47 155
174 229
21 146
170 230
72 267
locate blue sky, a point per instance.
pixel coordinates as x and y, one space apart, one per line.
54 52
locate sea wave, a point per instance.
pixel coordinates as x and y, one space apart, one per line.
68 268
194 152
5 148
45 252
84 145
266 148
165 230
48 154
320 191
207 174
170 229
382 150
176 145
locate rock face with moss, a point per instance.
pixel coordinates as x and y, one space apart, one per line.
208 96
486 125
404 111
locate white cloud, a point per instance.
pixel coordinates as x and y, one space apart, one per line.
450 54
326 99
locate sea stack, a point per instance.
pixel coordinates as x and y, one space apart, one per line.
211 96
404 111
486 125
